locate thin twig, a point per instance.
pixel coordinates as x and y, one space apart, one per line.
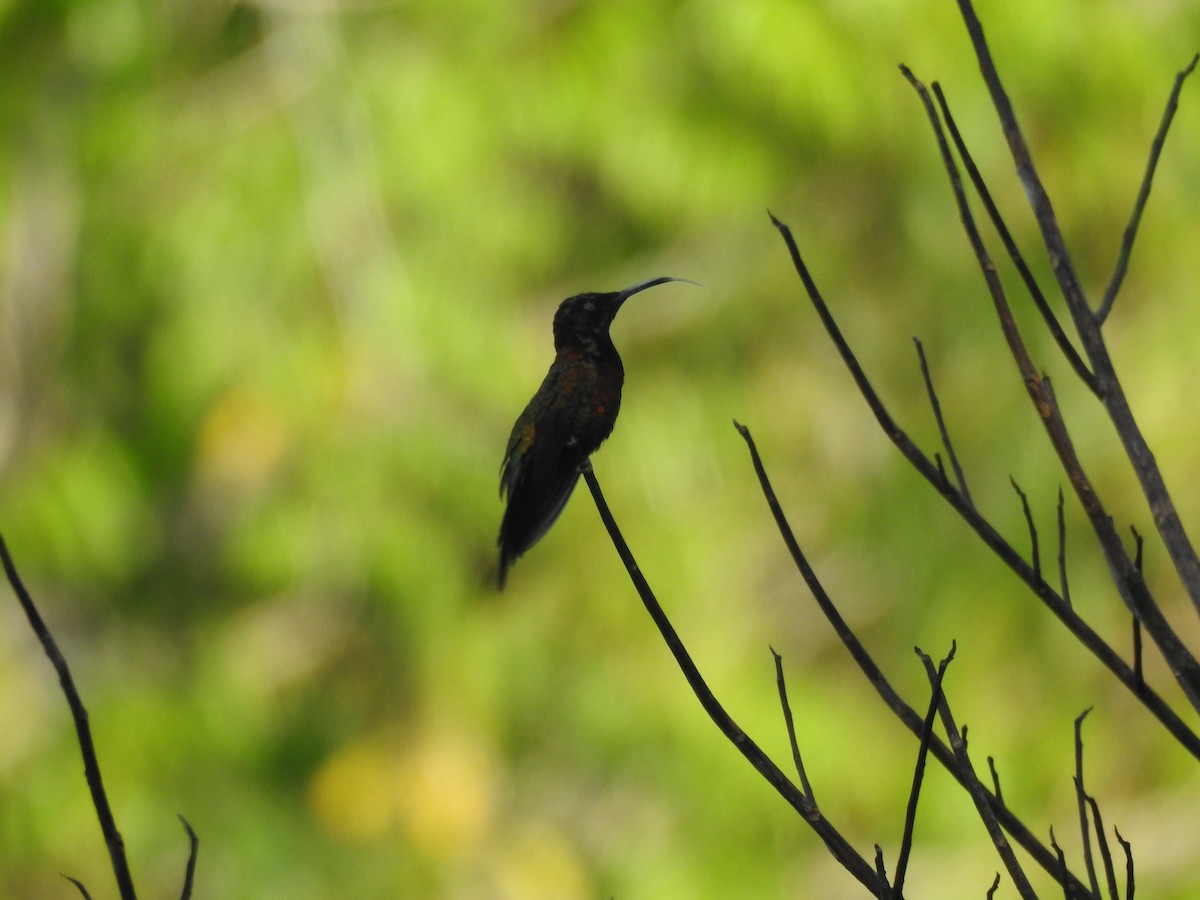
1135 217
995 887
193 848
1064 586
1068 891
941 424
1128 864
1035 551
1139 543
791 728
1085 833
885 889
943 481
83 730
995 778
841 850
1137 626
1110 874
79 885
910 813
979 794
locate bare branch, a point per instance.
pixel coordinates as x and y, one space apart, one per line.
910 814
1035 292
841 850
1064 588
886 892
995 778
979 794
944 482
1062 862
1084 834
83 730
1158 498
1035 551
1110 874
791 728
902 710
982 527
941 424
1135 217
1129 582
1129 884
194 846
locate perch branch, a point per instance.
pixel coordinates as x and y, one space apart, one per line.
841 850
911 719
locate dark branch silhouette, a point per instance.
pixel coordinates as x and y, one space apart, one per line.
189 875
984 802
1035 292
841 849
1088 326
1135 217
791 728
982 527
1080 796
959 478
1128 580
910 813
83 730
1035 553
1099 377
911 719
87 748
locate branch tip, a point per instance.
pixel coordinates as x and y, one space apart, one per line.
79 885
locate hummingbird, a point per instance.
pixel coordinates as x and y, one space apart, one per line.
568 418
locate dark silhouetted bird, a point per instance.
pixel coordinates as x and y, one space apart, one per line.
568 418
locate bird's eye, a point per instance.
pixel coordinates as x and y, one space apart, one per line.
589 306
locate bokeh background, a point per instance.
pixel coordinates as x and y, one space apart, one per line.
277 278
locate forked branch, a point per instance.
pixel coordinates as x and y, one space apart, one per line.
1128 579
1088 325
909 716
838 846
982 527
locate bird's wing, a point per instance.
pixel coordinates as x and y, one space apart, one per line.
524 429
539 476
543 481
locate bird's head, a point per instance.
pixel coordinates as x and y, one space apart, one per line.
582 321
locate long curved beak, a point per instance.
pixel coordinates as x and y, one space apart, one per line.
624 295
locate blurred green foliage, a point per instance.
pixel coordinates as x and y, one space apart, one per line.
276 280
